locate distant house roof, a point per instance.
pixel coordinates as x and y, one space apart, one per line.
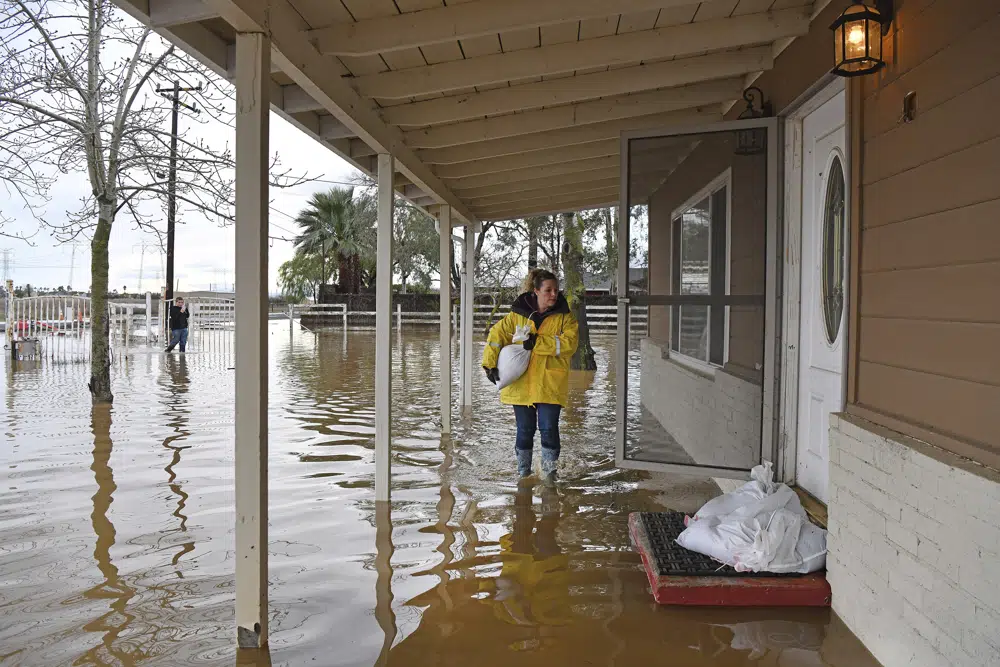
596 283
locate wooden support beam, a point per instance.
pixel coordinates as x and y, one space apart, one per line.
658 44
296 100
444 292
554 92
166 13
251 337
299 60
575 115
568 158
331 128
544 141
463 21
543 189
425 201
572 203
383 329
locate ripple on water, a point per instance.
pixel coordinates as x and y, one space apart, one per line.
117 526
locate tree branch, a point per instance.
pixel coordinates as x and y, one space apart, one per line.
45 112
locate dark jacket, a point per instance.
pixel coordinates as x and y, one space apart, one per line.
527 306
178 319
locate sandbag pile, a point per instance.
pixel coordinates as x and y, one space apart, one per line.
760 527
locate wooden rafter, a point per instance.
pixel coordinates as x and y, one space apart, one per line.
575 115
582 87
313 72
656 44
545 141
463 21
568 157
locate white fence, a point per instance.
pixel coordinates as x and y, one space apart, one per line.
60 326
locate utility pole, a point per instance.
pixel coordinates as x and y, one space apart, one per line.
174 95
7 255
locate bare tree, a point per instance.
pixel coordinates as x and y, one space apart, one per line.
576 294
77 95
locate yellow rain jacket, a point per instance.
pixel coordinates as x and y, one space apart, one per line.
547 377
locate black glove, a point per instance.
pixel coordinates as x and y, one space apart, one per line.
530 343
492 374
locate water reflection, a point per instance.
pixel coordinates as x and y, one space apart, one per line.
464 568
113 588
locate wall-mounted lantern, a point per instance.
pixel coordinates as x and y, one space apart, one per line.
857 38
753 141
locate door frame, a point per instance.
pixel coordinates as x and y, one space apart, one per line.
792 120
772 332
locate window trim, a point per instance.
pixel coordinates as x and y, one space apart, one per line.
723 180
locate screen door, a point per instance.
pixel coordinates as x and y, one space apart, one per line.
696 298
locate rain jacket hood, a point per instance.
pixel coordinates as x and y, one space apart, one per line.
547 377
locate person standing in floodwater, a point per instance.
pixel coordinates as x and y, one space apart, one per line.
539 395
178 325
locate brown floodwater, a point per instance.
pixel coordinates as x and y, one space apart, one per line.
117 543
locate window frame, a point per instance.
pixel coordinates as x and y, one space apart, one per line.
723 180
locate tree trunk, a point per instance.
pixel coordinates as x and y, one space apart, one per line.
532 244
572 258
611 247
100 344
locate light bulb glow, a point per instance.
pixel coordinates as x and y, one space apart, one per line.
856 35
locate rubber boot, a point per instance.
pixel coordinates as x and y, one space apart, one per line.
550 462
523 462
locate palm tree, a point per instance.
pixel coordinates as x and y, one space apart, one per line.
335 223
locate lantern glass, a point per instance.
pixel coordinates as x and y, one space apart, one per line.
858 41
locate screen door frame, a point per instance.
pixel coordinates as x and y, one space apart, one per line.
769 441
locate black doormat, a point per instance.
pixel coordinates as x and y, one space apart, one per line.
660 531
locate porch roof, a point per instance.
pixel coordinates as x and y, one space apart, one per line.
499 108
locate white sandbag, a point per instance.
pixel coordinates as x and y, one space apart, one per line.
759 486
766 542
759 527
513 360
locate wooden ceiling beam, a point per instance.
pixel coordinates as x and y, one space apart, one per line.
455 22
657 44
544 141
544 189
567 158
166 13
313 72
557 205
655 76
575 115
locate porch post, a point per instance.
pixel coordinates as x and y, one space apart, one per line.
149 318
253 67
468 315
445 290
383 327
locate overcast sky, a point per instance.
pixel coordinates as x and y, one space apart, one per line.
204 251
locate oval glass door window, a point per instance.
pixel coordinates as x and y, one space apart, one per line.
833 250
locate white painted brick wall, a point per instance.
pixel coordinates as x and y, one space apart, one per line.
914 539
716 420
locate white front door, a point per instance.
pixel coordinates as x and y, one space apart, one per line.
823 270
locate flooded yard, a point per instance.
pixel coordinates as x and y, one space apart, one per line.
117 525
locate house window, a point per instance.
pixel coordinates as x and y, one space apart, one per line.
700 265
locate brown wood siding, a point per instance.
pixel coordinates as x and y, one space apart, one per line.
928 354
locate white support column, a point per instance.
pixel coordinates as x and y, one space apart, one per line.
253 67
149 318
383 329
468 320
445 290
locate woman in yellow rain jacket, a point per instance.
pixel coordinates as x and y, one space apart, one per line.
539 395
